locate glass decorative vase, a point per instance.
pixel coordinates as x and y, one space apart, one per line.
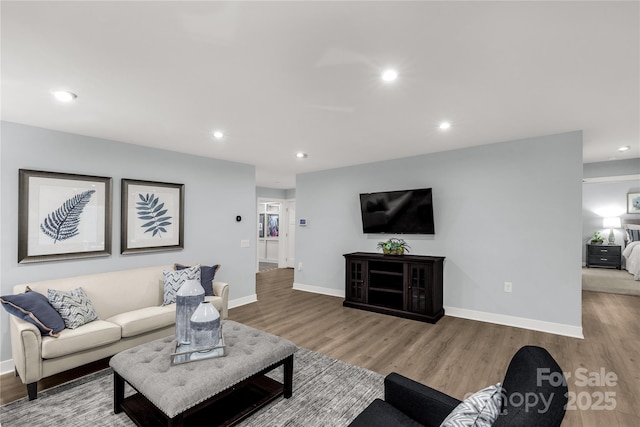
205 326
188 297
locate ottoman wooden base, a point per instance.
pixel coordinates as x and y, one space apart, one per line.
176 395
224 409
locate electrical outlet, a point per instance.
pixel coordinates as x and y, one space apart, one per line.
299 266
244 243
508 286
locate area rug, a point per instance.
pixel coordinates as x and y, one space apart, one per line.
326 392
267 266
609 281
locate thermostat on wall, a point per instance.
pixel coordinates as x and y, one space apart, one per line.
302 222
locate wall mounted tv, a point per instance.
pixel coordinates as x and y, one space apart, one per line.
398 212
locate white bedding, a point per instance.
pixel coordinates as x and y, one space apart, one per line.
631 255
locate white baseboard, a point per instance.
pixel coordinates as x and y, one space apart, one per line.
243 301
319 290
6 366
517 322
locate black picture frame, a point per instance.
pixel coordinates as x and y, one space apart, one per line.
63 216
152 216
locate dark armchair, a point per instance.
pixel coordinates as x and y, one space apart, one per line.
534 394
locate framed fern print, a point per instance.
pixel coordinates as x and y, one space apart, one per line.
152 216
63 216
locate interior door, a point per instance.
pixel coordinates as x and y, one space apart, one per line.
291 235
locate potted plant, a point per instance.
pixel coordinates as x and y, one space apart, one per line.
597 239
393 246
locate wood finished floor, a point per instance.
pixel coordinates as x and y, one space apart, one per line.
456 356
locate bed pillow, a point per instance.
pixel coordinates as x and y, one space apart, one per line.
174 279
481 409
74 307
633 235
207 274
36 309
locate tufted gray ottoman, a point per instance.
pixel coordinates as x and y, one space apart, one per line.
216 390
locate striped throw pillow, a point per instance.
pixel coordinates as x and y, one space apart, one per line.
633 235
481 409
74 307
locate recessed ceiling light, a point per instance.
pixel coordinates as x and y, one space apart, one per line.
64 95
389 75
445 125
218 134
624 148
301 155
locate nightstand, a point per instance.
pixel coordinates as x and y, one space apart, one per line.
604 256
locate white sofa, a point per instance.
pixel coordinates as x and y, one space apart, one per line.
130 312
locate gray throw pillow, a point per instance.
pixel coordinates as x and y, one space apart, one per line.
74 307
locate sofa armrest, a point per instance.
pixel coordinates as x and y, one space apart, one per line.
221 289
26 349
420 402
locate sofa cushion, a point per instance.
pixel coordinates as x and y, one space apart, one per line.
36 309
74 307
207 274
91 335
144 320
174 279
481 409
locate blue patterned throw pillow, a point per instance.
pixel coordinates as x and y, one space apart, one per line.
207 274
173 280
34 308
481 409
74 307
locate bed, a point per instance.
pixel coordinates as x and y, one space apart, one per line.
631 252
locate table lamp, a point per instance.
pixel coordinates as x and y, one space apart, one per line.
611 223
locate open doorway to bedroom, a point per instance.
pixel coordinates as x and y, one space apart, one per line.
606 214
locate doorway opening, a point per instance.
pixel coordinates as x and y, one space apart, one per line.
276 233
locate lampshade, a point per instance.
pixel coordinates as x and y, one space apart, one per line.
613 222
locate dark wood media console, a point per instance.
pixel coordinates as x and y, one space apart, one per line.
407 286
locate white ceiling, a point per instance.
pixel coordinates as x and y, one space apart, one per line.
282 77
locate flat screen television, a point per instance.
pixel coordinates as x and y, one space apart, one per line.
398 212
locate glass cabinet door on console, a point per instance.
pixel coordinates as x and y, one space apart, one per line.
419 289
356 273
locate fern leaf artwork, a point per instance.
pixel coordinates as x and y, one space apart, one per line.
154 214
62 224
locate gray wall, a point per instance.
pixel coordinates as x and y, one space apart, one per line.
612 168
290 193
276 193
215 192
270 193
503 212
